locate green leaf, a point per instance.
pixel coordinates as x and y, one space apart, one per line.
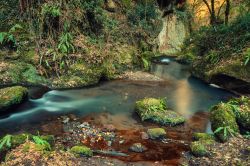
225 132
218 130
2 37
38 140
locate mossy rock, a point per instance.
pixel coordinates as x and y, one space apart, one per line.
16 72
198 149
79 75
81 150
156 110
222 115
203 136
12 96
242 111
156 133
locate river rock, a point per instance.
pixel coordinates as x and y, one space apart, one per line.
222 116
144 135
156 110
156 133
138 148
12 96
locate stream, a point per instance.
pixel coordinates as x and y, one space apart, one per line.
113 103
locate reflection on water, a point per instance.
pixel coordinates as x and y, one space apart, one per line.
185 94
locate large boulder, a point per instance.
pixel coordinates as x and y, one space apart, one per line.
222 116
12 96
156 111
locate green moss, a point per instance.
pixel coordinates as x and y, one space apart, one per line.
18 72
156 133
198 149
20 139
203 136
11 96
49 138
82 150
222 115
156 111
241 108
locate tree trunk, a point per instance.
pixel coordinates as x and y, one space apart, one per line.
227 11
213 16
22 4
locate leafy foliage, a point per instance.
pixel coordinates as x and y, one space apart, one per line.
218 42
5 142
39 141
8 38
66 43
143 13
51 9
227 131
247 56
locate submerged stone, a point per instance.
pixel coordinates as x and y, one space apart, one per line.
82 150
12 96
156 133
156 111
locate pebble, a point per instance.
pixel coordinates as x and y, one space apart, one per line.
138 148
144 136
109 143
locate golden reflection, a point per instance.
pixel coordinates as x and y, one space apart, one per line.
183 98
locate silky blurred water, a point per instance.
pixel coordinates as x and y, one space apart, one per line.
185 94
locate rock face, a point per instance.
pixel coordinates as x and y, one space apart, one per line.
173 34
156 111
12 96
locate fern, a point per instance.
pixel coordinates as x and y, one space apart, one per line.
227 131
5 142
247 57
39 141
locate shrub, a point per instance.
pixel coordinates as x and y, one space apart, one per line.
142 14
8 39
218 42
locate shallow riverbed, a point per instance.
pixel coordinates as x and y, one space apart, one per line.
113 103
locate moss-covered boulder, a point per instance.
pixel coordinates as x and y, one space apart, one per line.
222 116
12 96
156 110
203 136
156 133
198 149
241 108
81 150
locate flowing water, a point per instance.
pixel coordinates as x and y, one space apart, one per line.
113 103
